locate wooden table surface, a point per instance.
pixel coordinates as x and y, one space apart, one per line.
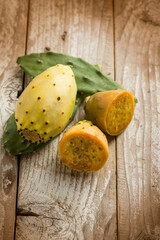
40 198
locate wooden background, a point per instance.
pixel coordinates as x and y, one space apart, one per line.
41 199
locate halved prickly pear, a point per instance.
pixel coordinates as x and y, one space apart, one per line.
46 105
84 147
111 111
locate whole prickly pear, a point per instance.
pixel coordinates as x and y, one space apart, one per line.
45 106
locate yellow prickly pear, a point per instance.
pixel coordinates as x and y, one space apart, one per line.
45 106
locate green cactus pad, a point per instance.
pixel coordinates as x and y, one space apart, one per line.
89 78
15 144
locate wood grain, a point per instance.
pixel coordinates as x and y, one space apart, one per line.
12 44
55 202
137 29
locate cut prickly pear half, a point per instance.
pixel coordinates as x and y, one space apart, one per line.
46 105
120 114
111 111
84 147
89 78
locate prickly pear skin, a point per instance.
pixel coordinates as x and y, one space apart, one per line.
46 105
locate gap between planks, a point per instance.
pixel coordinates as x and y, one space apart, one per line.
114 68
23 86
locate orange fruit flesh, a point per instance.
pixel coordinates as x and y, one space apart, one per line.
82 152
120 114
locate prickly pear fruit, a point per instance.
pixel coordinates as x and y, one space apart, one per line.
111 111
46 105
84 147
15 144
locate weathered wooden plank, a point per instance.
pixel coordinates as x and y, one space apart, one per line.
137 28
12 44
60 203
